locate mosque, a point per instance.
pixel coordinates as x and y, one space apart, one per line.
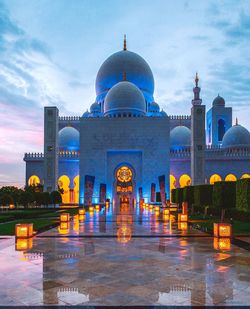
126 147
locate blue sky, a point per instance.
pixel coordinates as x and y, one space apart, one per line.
51 50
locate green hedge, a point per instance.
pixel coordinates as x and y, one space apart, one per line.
224 194
173 196
243 194
179 195
203 195
188 195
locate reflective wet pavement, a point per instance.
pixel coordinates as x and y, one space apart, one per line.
124 258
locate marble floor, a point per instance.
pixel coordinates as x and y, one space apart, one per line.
123 257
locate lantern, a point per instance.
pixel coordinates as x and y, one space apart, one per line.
157 208
107 204
76 218
223 244
64 217
81 211
184 208
24 244
81 217
91 208
165 217
173 208
24 230
165 211
151 207
222 230
97 207
12 206
63 228
182 218
182 226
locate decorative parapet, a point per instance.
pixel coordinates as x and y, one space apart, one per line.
213 152
31 156
69 118
180 117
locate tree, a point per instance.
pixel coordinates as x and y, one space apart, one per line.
46 200
6 199
14 192
26 198
224 196
55 197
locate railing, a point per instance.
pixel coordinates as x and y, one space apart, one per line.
69 154
32 155
180 117
69 118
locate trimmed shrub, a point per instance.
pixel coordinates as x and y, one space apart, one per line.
203 195
179 195
243 194
55 197
173 196
224 194
188 195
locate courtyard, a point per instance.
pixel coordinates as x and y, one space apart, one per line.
123 255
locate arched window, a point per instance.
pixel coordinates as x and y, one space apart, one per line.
214 178
185 180
76 189
221 129
34 180
230 177
63 183
245 176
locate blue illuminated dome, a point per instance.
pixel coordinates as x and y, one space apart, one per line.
219 101
95 110
69 139
180 138
112 71
236 137
124 99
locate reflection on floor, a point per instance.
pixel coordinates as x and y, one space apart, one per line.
125 256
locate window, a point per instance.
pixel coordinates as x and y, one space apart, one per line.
221 129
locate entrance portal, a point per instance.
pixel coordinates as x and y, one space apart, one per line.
124 184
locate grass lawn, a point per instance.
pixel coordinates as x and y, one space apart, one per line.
239 227
9 228
41 218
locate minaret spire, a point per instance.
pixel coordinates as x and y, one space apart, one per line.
125 42
124 76
236 121
196 79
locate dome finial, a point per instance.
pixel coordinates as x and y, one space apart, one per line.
124 76
236 121
125 42
196 79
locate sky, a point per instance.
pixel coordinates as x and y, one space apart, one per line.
51 50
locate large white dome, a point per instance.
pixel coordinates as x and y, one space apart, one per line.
236 137
124 98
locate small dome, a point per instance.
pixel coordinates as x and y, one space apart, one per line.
112 70
219 101
124 97
180 138
153 107
163 113
236 137
95 108
85 114
69 139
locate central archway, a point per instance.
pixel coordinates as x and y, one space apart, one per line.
124 184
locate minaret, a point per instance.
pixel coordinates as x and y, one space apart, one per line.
198 143
124 43
51 119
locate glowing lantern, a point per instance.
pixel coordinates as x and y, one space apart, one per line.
165 211
76 226
184 208
182 218
124 234
81 217
222 230
107 204
91 208
97 207
24 230
165 217
12 206
182 226
81 211
222 243
157 208
76 218
151 207
63 228
173 208
24 244
64 217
